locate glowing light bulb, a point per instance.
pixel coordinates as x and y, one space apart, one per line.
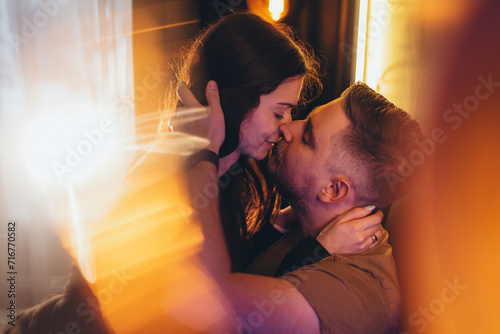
276 7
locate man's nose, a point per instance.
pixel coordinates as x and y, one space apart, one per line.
285 131
287 118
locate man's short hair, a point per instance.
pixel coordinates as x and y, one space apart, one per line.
379 135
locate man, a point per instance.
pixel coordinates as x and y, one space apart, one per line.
337 159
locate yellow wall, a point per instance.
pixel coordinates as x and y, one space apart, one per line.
436 62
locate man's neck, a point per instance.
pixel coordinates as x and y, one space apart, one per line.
312 219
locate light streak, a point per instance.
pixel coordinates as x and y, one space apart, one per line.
81 245
151 238
362 40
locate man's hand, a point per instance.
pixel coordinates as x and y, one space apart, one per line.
212 127
352 232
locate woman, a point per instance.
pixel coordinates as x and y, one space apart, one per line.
263 74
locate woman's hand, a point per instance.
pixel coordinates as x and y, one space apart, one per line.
352 232
211 127
285 220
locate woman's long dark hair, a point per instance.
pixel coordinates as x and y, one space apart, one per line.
247 57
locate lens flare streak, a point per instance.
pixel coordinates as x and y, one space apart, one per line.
83 251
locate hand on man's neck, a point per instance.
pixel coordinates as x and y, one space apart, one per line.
314 217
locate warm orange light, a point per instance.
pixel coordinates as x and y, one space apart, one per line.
276 7
269 9
145 270
145 251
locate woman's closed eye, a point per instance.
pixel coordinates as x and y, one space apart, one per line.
282 113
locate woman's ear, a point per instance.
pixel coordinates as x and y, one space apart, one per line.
334 191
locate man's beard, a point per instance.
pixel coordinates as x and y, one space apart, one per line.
285 184
275 164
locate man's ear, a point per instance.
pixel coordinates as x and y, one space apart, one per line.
335 191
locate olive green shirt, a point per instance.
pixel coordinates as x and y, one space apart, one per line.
349 293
